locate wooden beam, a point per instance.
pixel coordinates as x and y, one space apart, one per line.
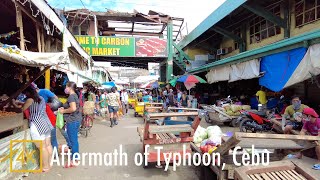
277 136
19 22
130 33
26 12
16 94
42 41
38 38
260 11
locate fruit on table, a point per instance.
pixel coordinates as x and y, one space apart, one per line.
207 148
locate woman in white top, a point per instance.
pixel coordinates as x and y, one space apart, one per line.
114 104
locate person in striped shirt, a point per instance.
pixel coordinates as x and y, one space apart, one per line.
40 125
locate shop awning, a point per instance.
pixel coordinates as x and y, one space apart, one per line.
308 67
290 67
34 59
245 70
235 72
283 69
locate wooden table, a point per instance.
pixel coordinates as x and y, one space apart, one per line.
274 142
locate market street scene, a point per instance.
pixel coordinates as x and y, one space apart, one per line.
160 89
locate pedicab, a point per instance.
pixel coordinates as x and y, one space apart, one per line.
138 108
173 138
131 102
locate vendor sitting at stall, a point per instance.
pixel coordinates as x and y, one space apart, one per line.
311 127
289 113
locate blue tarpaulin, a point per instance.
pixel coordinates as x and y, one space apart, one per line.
279 67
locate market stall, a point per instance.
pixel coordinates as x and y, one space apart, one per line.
12 125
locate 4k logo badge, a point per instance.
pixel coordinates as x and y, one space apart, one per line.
24 157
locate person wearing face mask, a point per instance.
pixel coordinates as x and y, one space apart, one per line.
295 124
72 115
311 126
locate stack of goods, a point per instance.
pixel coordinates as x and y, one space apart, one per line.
208 139
5 114
234 110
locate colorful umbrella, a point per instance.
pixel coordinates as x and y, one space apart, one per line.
191 79
173 81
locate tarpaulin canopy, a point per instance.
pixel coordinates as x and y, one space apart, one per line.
34 59
218 74
144 79
308 67
151 84
245 70
280 67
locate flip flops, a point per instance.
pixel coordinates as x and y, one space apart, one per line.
69 166
316 167
293 156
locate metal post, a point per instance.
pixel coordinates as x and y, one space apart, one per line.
170 51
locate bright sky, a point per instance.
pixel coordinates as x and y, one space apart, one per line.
193 11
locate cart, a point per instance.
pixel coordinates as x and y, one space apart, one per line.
138 108
131 102
216 115
152 108
171 138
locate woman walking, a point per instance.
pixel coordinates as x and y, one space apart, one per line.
73 117
114 104
40 125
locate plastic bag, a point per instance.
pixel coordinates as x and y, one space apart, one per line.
214 130
200 135
55 104
214 134
60 120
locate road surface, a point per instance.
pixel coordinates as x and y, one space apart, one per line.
104 139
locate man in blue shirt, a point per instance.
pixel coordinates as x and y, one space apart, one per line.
45 93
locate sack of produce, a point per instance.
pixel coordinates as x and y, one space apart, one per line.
200 135
246 107
227 107
237 113
230 113
214 134
236 108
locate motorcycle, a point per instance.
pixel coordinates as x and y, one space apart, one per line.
204 114
253 120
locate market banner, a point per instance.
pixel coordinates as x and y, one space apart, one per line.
151 47
123 46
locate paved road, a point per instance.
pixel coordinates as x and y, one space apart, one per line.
105 139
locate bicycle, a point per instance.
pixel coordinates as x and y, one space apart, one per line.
86 125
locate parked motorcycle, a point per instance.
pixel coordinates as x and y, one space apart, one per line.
254 121
204 114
